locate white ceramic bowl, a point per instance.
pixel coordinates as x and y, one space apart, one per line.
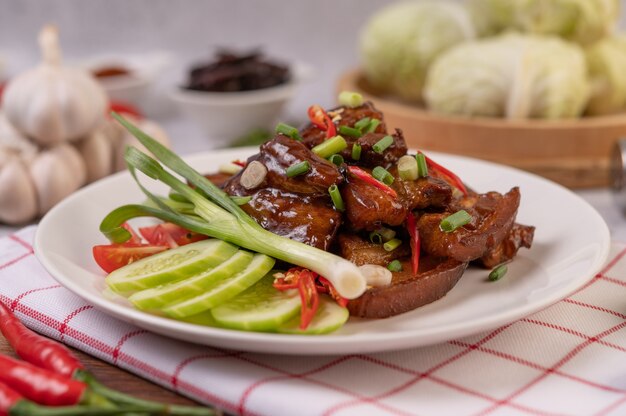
225 116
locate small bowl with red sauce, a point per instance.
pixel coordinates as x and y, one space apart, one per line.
237 93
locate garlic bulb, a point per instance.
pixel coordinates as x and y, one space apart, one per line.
57 173
97 152
14 143
18 200
53 103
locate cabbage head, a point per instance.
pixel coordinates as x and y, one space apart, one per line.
511 75
582 21
400 41
607 68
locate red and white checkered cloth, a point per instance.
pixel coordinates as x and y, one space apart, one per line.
569 359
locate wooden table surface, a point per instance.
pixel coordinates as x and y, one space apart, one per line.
117 378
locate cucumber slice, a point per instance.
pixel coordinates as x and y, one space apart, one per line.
260 308
158 297
223 290
329 318
170 266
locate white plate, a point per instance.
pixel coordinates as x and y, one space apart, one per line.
571 244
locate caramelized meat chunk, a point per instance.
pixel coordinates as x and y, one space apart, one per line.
421 193
280 153
435 278
519 236
360 251
307 219
342 116
370 158
368 207
493 215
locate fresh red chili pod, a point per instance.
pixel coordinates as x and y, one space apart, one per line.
309 297
39 385
8 399
411 225
320 118
452 178
363 175
35 349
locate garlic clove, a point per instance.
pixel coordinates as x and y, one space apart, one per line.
18 199
97 153
56 173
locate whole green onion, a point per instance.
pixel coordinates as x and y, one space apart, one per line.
298 169
218 216
356 151
336 159
392 244
288 131
498 273
454 221
407 168
330 147
362 123
395 266
335 195
241 200
349 131
422 167
350 99
382 145
382 175
372 126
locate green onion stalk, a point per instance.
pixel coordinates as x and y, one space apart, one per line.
216 215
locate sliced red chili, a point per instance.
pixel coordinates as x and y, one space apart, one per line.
309 297
330 289
452 178
320 118
239 162
411 225
363 175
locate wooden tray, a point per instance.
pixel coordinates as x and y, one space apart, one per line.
575 153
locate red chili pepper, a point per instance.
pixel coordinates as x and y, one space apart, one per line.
411 225
322 120
34 348
39 385
363 175
309 297
452 178
239 162
8 399
326 287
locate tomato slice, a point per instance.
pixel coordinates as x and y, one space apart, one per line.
113 256
170 235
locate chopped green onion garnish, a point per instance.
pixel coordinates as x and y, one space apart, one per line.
395 266
422 167
376 237
288 131
407 168
356 151
498 272
382 144
337 159
350 99
349 131
454 221
382 175
372 126
330 147
362 123
298 169
241 200
392 244
386 233
335 195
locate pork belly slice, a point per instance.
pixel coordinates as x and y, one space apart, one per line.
493 216
307 219
435 278
519 236
421 193
360 251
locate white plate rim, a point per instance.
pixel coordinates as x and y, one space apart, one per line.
327 344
